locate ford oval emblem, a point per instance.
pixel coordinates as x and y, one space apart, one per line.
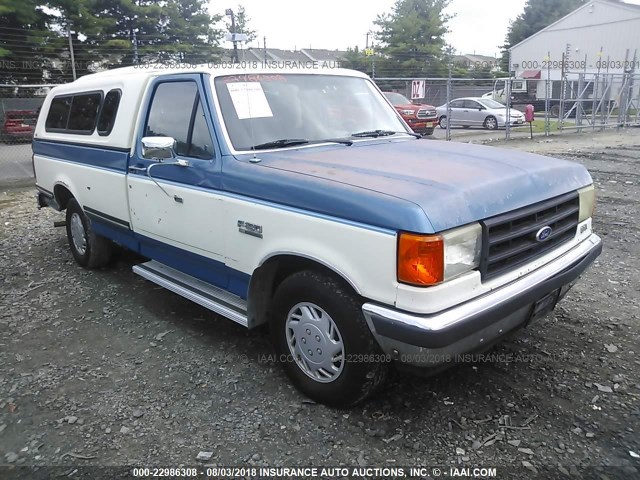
544 233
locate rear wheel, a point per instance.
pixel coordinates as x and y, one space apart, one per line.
323 341
491 123
88 249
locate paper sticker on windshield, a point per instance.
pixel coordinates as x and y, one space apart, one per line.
249 100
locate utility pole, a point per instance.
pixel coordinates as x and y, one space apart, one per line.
233 33
373 63
73 59
135 46
265 48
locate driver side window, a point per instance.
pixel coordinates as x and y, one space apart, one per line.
176 111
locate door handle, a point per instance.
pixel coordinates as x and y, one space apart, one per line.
179 163
133 169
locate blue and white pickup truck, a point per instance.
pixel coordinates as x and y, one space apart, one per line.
301 199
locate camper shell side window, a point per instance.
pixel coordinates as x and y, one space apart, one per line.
108 112
83 113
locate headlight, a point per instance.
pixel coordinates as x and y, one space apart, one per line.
587 197
462 248
430 259
409 113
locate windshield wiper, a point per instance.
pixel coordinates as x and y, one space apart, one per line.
382 133
335 140
289 142
283 142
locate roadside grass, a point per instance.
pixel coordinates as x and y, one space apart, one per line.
538 126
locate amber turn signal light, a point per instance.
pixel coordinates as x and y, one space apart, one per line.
420 259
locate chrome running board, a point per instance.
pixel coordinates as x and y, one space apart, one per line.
215 299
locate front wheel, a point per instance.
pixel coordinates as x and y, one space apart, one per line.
491 123
88 249
443 122
323 341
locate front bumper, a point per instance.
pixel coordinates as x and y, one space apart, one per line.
431 340
422 125
502 122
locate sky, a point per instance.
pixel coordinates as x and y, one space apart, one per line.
479 26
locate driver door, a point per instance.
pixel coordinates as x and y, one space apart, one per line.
177 209
474 113
457 112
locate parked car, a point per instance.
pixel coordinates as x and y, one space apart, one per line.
421 118
18 126
478 112
265 196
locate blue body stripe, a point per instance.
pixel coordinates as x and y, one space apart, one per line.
286 208
198 266
90 155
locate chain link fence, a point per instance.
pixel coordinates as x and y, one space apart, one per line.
19 109
479 109
467 109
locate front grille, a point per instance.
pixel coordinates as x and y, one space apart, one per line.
424 113
510 240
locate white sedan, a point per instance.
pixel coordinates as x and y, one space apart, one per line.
478 112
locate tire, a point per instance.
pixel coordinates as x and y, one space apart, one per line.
490 123
332 317
88 249
443 122
555 111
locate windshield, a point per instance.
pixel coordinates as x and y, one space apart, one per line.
397 98
288 109
487 102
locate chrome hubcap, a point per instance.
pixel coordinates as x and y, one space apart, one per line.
491 123
315 342
77 234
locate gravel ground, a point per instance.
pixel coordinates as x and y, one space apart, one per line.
102 368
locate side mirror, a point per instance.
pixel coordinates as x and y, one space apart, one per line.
158 147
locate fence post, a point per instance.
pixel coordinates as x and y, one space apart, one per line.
578 105
449 105
596 85
507 131
547 97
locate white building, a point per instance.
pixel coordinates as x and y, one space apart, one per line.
602 36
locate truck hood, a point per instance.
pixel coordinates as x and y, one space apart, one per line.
453 183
